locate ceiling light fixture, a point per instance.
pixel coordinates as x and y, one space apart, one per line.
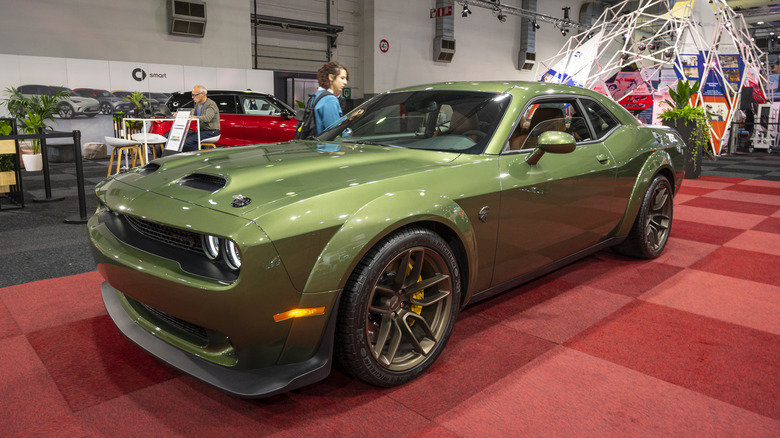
466 10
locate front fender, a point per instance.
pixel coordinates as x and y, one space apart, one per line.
376 220
658 162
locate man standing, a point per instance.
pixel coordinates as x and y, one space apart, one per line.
208 117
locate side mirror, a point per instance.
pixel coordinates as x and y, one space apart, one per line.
554 142
287 115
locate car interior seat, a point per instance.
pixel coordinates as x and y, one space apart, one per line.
554 119
461 124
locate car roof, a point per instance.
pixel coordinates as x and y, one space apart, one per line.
226 91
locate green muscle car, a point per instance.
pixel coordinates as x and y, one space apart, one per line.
256 268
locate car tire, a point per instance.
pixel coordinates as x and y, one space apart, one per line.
106 108
65 111
648 237
390 330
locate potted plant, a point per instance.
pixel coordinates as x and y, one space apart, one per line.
692 123
137 99
32 113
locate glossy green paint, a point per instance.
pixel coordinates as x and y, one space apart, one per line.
318 207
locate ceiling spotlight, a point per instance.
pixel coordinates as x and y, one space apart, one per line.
536 25
466 11
564 31
501 17
641 47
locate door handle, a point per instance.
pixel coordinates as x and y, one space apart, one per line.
603 158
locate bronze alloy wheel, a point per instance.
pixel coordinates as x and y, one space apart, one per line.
398 314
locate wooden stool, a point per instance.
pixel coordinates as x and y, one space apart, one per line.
209 143
151 140
120 146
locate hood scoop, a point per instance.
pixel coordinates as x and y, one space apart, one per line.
203 181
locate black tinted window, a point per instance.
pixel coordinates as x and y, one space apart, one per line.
226 104
601 119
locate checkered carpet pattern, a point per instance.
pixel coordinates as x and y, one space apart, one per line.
684 345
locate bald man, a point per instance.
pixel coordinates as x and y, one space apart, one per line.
208 118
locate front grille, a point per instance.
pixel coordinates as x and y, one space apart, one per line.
187 327
203 181
168 235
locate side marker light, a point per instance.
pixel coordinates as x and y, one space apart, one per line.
298 313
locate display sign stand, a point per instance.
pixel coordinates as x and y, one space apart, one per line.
178 131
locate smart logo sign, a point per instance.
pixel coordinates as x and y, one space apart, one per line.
139 75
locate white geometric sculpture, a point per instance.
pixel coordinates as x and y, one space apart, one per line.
630 54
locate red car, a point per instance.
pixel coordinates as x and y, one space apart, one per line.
245 117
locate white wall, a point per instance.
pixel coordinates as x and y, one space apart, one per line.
131 30
136 32
486 49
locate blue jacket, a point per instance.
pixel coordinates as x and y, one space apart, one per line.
327 111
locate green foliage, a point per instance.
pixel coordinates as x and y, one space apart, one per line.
6 160
136 98
5 127
681 95
33 112
681 109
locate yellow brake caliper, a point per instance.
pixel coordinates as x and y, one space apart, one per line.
417 295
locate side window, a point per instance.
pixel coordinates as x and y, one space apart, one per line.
259 106
549 115
601 119
226 104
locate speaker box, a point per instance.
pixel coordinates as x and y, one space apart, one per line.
187 18
746 99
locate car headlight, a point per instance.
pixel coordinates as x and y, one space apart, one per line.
211 246
215 247
232 255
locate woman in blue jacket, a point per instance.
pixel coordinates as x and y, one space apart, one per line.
332 78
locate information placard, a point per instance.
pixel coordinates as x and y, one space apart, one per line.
178 131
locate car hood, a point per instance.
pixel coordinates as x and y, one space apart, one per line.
269 177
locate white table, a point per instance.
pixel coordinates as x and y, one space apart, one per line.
148 138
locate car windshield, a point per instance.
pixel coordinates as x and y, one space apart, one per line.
439 120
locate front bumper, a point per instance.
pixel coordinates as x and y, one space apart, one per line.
261 382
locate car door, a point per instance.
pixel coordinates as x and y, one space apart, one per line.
558 206
264 121
231 127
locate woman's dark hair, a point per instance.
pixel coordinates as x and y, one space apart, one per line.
329 68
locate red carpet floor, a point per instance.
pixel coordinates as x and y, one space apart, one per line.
685 345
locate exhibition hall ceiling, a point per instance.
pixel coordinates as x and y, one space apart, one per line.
762 17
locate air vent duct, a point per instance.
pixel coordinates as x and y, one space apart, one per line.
526 57
444 41
187 18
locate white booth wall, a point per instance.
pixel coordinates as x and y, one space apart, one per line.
137 32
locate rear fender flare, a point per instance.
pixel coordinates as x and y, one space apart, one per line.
379 218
